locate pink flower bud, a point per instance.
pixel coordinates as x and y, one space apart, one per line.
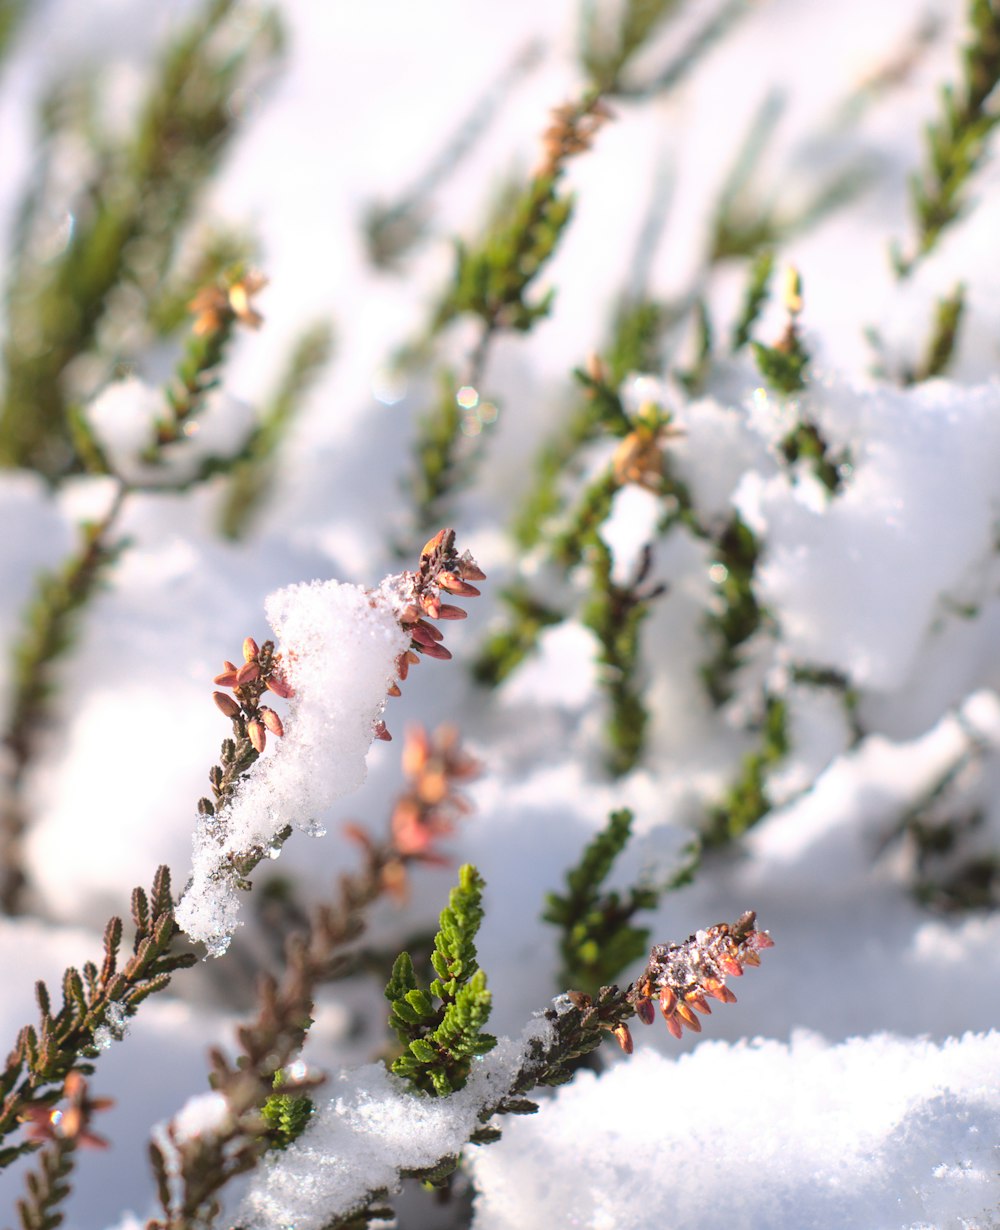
248 673
452 612
380 732
271 721
226 704
250 650
257 735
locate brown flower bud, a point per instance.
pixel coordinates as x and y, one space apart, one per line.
624 1037
455 585
380 732
257 735
470 570
250 650
394 690
227 679
451 612
271 720
226 704
248 673
435 651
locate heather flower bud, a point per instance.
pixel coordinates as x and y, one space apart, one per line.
279 686
257 735
434 650
228 677
248 673
380 732
226 704
452 612
271 721
250 650
455 585
624 1036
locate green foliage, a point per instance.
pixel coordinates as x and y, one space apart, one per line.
746 801
805 442
128 218
957 140
783 368
492 279
597 940
287 1115
252 475
50 626
442 1028
440 465
948 314
614 613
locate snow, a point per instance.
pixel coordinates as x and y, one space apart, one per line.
876 1132
339 646
868 1093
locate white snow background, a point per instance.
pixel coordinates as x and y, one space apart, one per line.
857 1081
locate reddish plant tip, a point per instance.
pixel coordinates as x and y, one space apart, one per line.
682 977
271 721
455 585
228 677
251 650
435 651
380 732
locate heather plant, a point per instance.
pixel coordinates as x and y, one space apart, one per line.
701 377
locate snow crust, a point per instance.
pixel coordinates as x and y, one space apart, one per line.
880 1132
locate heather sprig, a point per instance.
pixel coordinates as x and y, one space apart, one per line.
615 613
957 139
442 1028
97 1002
50 628
491 283
680 978
217 308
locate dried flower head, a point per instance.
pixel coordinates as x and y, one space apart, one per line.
638 459
681 978
215 307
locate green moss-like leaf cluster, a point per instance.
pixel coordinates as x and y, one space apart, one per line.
442 1028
